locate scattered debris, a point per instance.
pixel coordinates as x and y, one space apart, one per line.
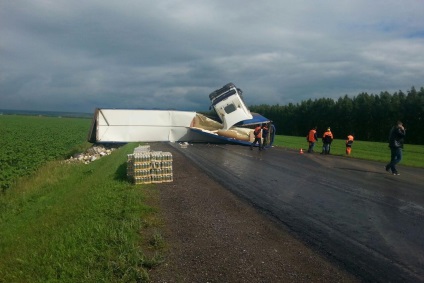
95 152
184 144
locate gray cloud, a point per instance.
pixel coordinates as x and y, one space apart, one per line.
79 55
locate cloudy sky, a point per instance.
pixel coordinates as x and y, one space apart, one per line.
78 55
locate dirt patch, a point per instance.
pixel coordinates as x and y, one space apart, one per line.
213 236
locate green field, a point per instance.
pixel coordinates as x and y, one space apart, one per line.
413 155
26 142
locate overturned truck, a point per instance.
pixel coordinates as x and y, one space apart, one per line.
235 125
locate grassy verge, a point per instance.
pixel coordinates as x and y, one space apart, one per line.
79 223
413 155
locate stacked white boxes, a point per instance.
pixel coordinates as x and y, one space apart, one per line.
145 166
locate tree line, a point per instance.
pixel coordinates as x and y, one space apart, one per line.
366 116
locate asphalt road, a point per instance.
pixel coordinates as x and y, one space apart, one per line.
352 211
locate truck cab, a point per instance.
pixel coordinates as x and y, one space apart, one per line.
229 105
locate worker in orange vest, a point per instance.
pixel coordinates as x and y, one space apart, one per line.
258 137
349 143
312 139
327 139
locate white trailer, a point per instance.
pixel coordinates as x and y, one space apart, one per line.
132 125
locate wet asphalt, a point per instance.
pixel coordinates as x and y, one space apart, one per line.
351 211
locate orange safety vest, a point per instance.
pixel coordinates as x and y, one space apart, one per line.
328 133
311 136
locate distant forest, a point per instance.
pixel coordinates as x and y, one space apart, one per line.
367 116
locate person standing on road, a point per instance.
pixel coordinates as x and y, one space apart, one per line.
265 133
327 139
258 137
396 139
312 139
349 143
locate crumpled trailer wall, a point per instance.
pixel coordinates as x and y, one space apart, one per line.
132 125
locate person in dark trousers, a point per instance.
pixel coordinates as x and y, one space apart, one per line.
349 143
265 133
312 139
258 137
396 139
327 139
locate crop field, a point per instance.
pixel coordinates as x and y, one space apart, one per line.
26 142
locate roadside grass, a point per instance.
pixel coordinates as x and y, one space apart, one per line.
413 155
79 223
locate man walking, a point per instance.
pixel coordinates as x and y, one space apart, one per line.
312 139
396 139
258 137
